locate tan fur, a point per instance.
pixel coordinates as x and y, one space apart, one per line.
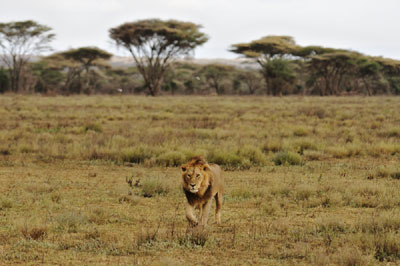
201 182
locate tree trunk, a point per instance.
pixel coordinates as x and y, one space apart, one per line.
14 79
154 86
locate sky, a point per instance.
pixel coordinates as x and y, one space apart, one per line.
367 26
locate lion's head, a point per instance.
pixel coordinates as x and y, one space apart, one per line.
195 174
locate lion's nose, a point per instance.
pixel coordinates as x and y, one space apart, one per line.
193 185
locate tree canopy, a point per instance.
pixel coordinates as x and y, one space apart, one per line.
78 62
215 74
153 43
19 41
87 56
272 53
266 47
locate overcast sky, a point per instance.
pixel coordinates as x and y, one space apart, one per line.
367 26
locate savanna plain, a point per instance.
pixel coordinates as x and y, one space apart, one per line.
95 180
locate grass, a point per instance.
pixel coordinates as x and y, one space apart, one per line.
96 180
287 158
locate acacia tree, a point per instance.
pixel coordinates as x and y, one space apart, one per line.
216 75
48 78
19 41
272 53
252 79
331 70
87 57
4 80
391 72
154 43
70 68
369 72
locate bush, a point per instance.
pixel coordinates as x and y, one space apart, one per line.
152 186
303 145
272 146
136 155
287 158
225 158
171 158
253 154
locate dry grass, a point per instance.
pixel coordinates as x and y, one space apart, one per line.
93 180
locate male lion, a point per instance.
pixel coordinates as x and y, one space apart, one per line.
201 182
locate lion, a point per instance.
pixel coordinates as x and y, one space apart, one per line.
201 182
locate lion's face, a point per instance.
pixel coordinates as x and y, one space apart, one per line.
193 177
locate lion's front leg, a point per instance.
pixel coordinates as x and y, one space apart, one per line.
190 215
201 211
206 210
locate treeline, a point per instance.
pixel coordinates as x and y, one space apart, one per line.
278 65
180 78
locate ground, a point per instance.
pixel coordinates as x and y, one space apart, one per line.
309 180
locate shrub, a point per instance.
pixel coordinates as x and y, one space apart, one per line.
225 158
136 155
152 186
303 145
171 158
253 154
287 158
272 146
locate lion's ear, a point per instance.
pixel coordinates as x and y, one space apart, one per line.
206 167
183 167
